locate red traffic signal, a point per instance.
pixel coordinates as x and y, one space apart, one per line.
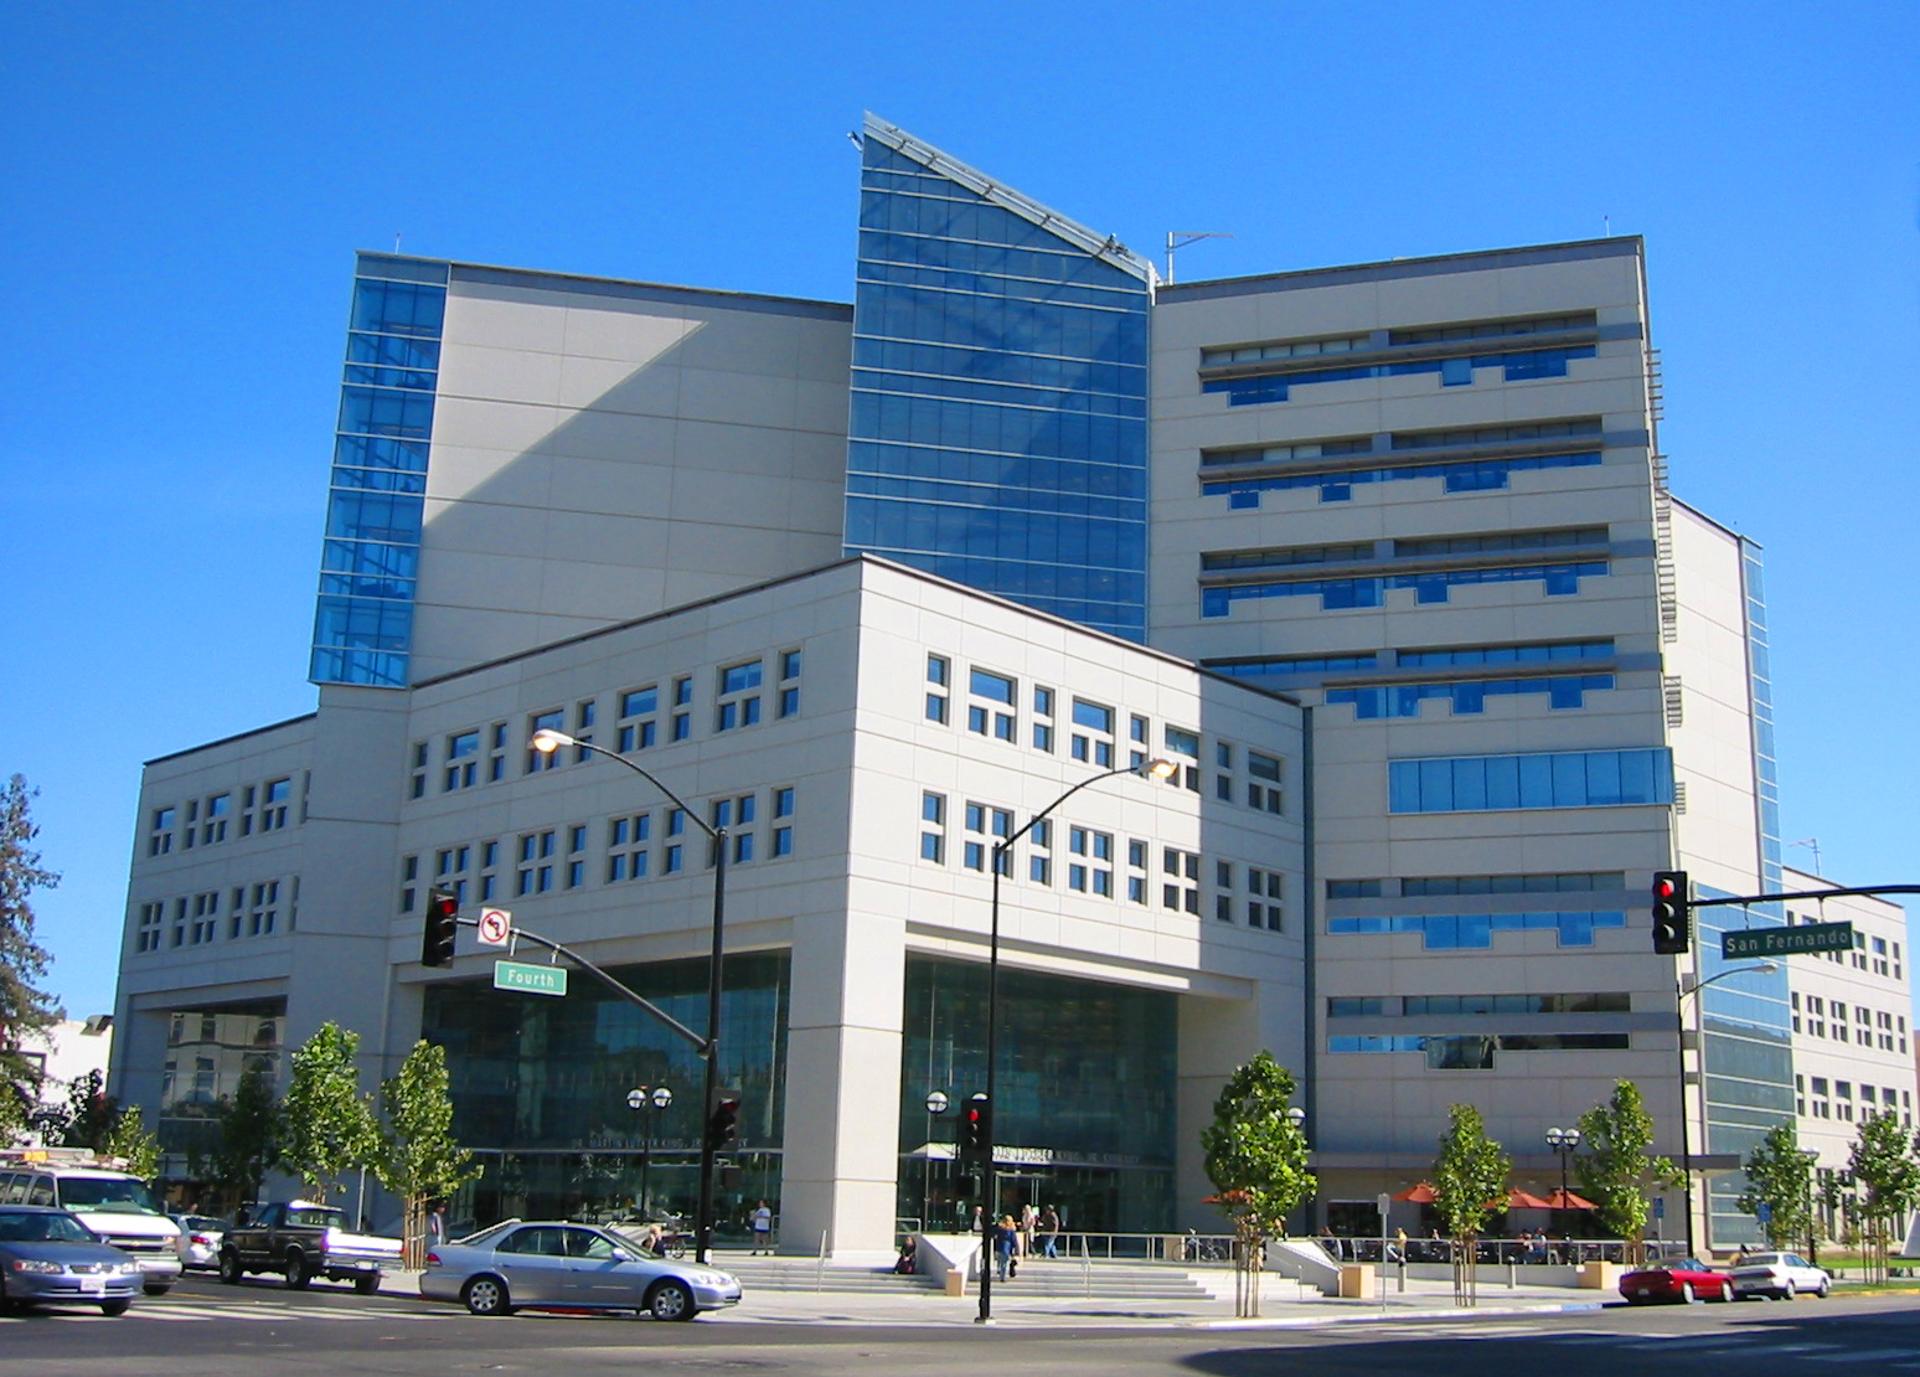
723 1120
443 921
976 1127
1672 920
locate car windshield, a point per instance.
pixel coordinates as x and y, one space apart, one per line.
53 1227
1762 1260
202 1222
106 1193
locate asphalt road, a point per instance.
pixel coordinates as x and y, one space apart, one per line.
262 1330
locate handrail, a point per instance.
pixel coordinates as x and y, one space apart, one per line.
820 1265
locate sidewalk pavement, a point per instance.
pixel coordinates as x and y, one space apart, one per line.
1282 1305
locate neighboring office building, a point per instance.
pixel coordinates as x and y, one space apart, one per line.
1424 497
66 1053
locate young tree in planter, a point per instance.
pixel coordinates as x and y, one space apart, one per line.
248 1147
419 1160
1469 1185
327 1126
1885 1164
1256 1158
25 1009
1618 1171
128 1138
89 1115
1780 1176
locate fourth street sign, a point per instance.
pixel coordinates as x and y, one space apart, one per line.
528 978
1809 937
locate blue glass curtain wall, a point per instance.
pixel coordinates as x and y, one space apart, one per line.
1560 779
1086 1090
540 1084
1452 931
998 433
363 623
1518 365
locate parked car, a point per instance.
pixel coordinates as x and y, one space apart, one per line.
203 1233
1684 1279
1778 1274
302 1240
567 1266
48 1257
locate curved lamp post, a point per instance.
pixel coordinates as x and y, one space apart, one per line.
638 1099
1157 769
936 1106
547 741
1686 1133
1563 1141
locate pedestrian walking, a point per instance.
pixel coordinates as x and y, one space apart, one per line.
1029 1220
1004 1235
762 1220
437 1224
1049 1232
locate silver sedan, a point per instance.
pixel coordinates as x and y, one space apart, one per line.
565 1266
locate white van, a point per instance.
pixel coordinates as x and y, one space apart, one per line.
116 1206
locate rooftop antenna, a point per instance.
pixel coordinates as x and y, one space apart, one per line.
1812 844
1606 226
396 241
856 141
1179 239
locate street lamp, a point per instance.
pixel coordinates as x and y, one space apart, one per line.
1563 1141
547 741
936 1106
1158 769
1686 1133
637 1100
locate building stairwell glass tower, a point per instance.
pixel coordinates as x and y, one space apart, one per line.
998 433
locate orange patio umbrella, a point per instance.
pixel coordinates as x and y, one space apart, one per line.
1518 1199
1563 1199
1422 1194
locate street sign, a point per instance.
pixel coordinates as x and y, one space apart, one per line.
495 927
528 978
1659 1209
1384 1203
1808 937
1764 1213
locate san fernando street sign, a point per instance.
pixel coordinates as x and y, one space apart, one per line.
1809 937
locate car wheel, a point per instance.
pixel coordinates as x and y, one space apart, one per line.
1686 1293
298 1277
1789 1291
1826 1289
670 1301
230 1268
366 1286
114 1307
1726 1292
486 1296
158 1290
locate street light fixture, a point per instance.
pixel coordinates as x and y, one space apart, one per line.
1160 769
1563 1141
637 1100
936 1106
1686 1133
547 741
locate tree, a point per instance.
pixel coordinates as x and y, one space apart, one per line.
249 1136
1469 1185
1885 1164
88 1117
419 1161
1618 1171
26 1011
1780 1176
327 1126
1256 1158
128 1138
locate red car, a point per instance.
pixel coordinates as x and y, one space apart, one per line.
1686 1280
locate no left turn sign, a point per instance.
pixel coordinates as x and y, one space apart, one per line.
496 926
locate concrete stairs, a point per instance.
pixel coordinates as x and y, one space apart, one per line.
1062 1279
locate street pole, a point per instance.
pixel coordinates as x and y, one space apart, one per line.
1159 769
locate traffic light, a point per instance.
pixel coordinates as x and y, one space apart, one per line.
976 1130
1672 921
723 1120
436 940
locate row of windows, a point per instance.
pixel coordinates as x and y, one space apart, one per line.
1090 864
1556 882
1827 1018
1413 1006
1477 1052
1883 963
1557 580
1890 1101
1453 931
1532 653
211 820
1462 475
1090 731
1501 542
1466 695
477 755
1423 334
193 920
1494 435
1518 365
1283 349
630 846
1565 779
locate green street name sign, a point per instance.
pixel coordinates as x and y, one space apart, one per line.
528 978
1810 937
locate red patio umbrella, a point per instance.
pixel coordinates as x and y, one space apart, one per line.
1518 1199
1421 1194
1563 1199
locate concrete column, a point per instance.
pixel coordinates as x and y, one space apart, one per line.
1217 1035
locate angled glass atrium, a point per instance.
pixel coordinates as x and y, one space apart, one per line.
998 434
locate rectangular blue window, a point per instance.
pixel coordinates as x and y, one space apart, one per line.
1566 779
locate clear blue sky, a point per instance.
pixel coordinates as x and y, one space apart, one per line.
186 185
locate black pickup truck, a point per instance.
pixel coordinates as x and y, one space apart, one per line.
301 1241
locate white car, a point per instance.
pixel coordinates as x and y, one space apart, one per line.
1778 1274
